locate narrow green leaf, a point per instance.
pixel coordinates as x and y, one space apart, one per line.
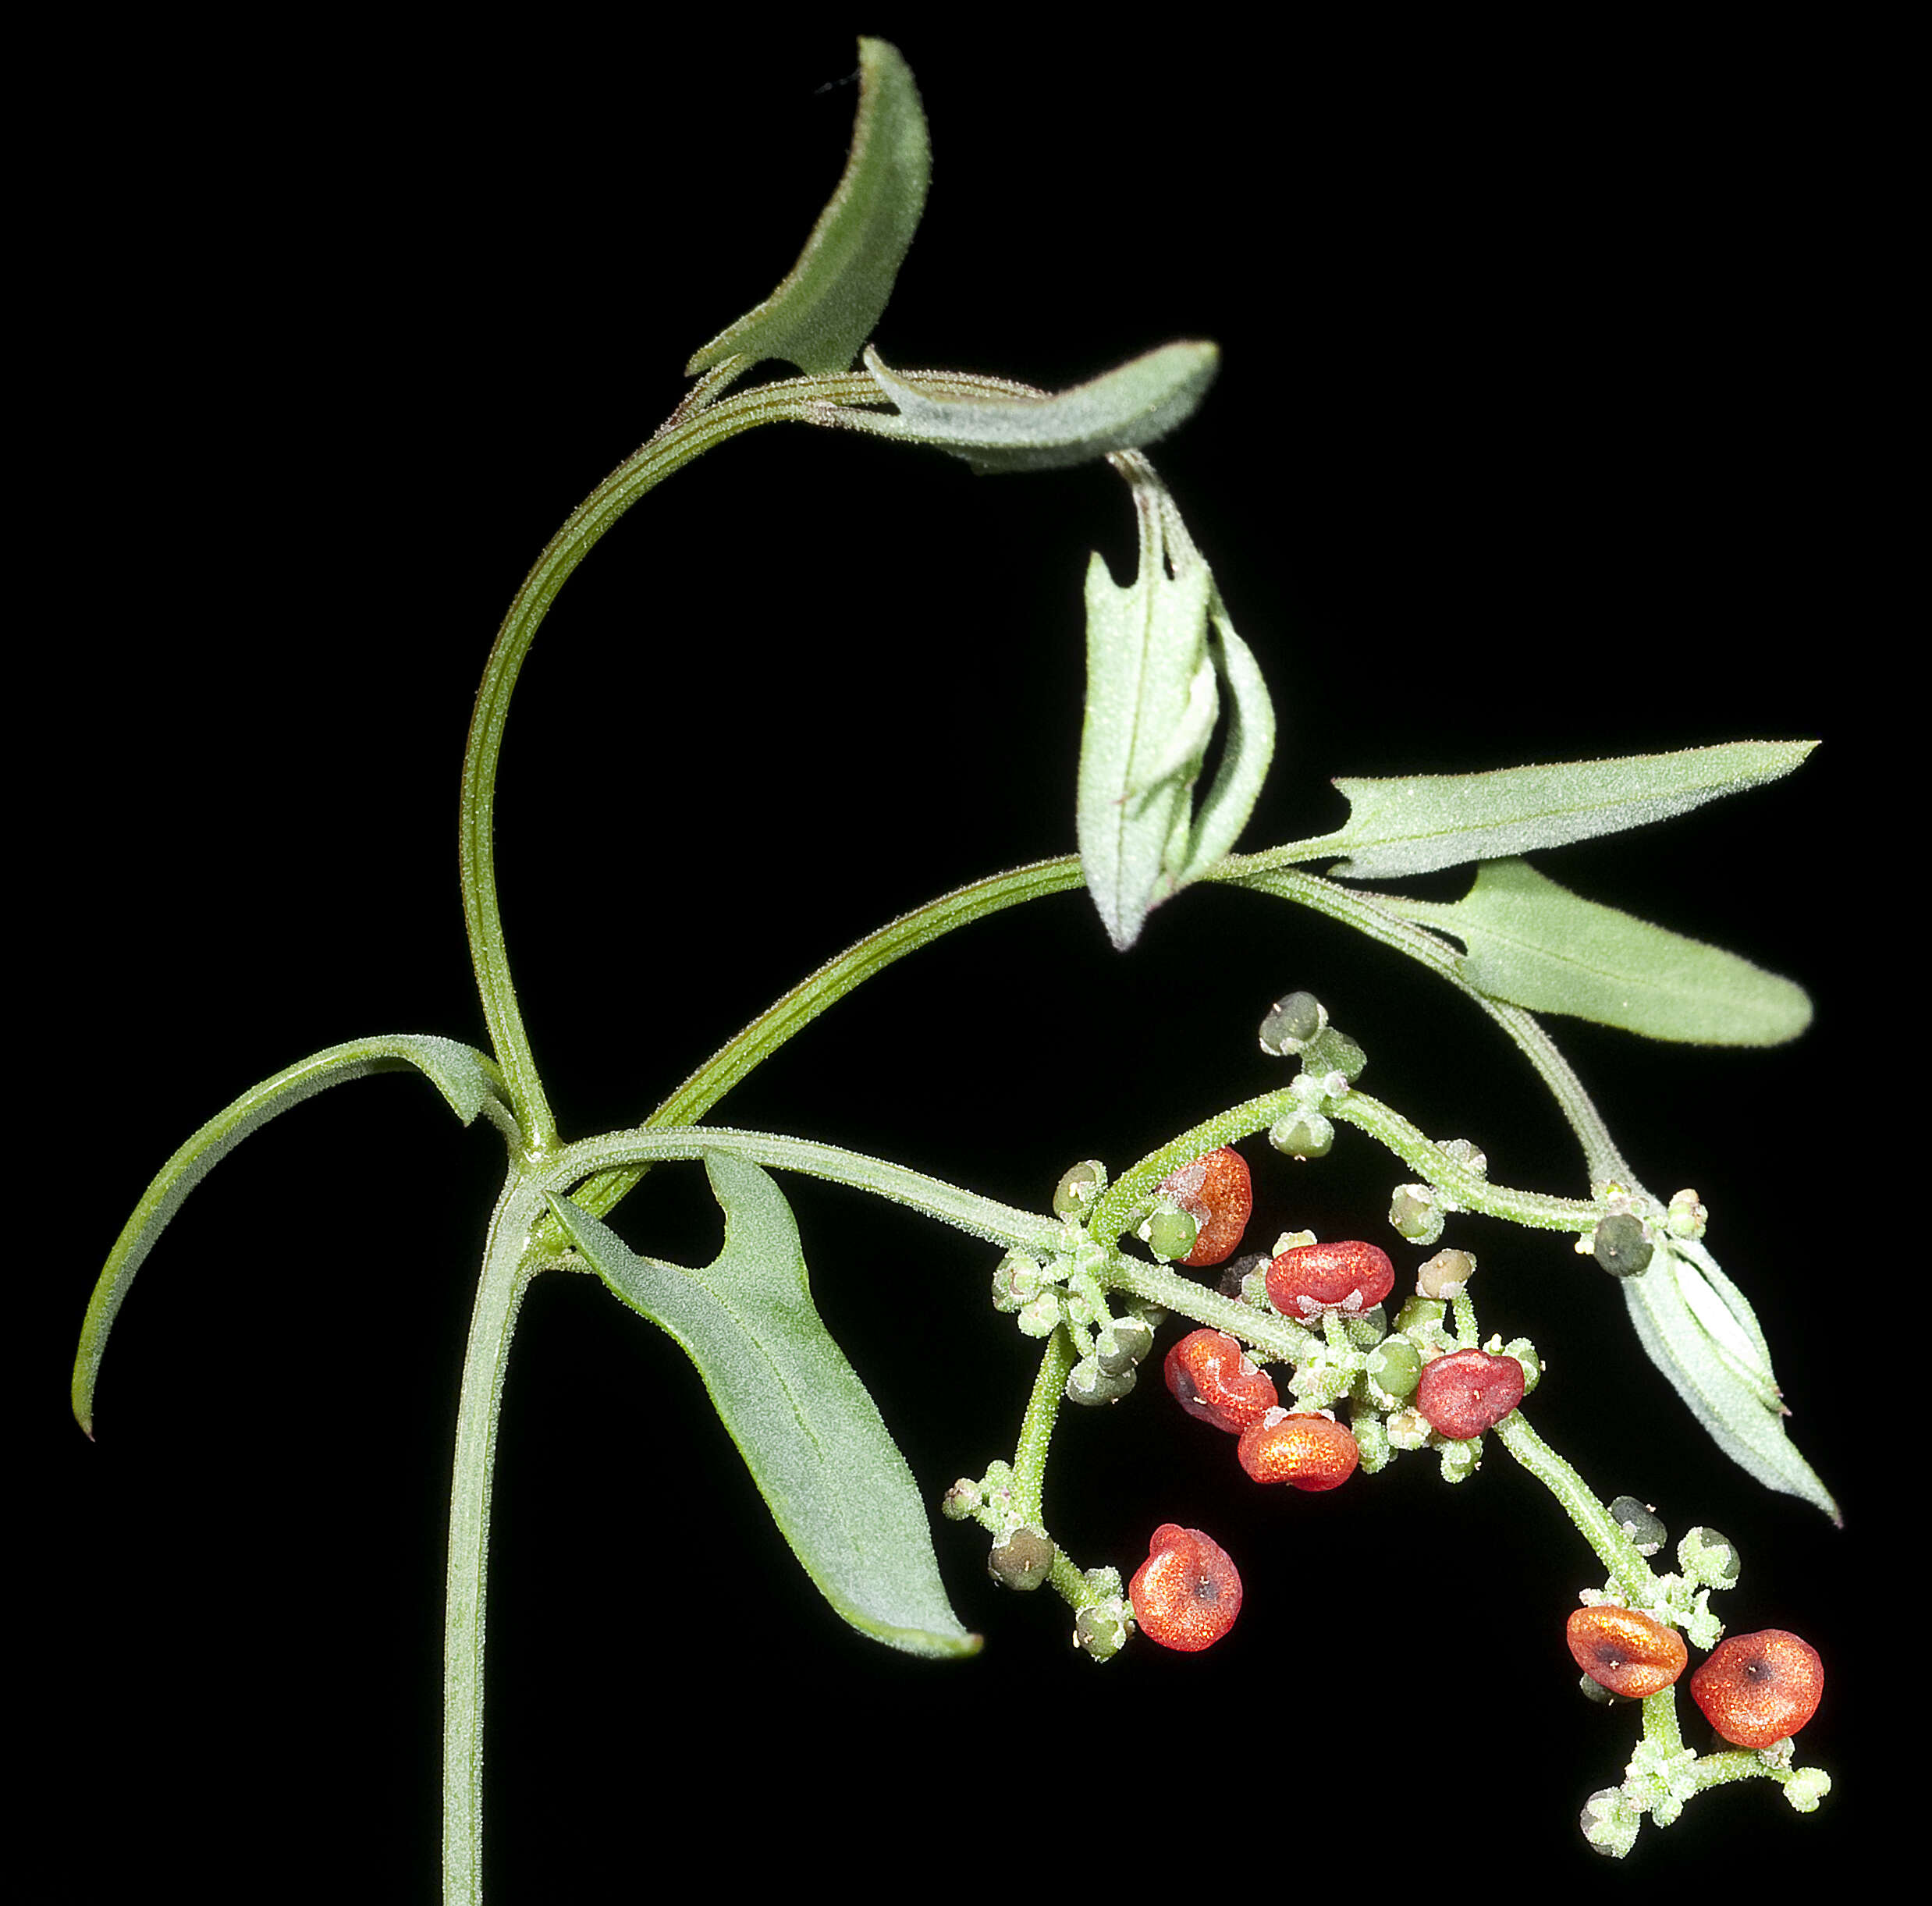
811 1437
1534 944
1246 750
467 1079
1697 1327
1154 650
1415 823
829 304
1134 404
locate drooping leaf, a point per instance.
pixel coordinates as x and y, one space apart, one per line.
1154 651
1414 824
811 1435
832 299
1535 944
1134 404
1697 1328
466 1077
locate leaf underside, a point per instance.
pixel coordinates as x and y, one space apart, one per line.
1414 824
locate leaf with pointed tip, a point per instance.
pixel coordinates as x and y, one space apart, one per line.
1697 1328
1154 651
1535 944
833 297
1414 824
811 1435
467 1080
1134 404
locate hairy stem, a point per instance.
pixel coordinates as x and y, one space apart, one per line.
493 1323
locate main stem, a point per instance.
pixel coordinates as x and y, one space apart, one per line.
493 1322
688 435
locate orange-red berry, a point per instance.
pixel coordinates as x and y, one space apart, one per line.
1187 1593
1307 1450
1627 1653
1216 1192
1348 1277
1211 1378
1469 1391
1757 1689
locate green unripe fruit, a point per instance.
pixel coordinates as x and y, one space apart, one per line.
1122 1345
1303 1135
1414 1213
1620 1247
1710 1559
1291 1022
1420 1313
1023 1560
1446 1275
1079 1189
1638 1521
1395 1366
1041 1317
1610 1823
1101 1631
1170 1234
1088 1383
1016 1281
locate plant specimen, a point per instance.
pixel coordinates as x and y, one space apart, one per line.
1179 732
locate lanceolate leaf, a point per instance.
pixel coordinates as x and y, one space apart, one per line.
1154 651
1535 944
1697 1329
828 306
1135 403
1416 823
467 1079
834 1480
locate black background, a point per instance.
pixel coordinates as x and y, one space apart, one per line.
1537 438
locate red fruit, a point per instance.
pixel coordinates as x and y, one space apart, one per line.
1757 1689
1626 1651
1307 1450
1211 1378
1309 1279
1187 1593
1216 1192
1469 1391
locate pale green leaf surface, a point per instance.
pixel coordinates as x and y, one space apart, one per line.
466 1077
1134 404
1155 650
829 303
1535 944
811 1435
1247 750
1414 824
1697 1328
1150 683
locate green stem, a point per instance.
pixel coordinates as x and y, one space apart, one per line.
982 1217
812 400
1036 1431
830 983
493 1323
1594 1522
1278 1339
1531 1208
1125 1200
1363 912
